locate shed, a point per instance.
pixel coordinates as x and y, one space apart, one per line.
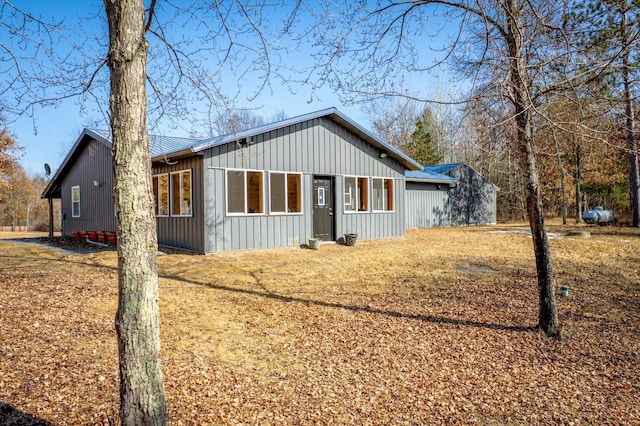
473 199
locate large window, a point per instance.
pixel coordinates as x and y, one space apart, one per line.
181 193
245 192
356 194
161 194
285 192
75 201
382 196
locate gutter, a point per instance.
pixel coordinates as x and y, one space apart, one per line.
451 183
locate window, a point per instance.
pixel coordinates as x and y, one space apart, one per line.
356 194
75 201
161 194
322 201
235 191
255 192
245 192
382 194
294 193
363 199
181 193
349 194
285 192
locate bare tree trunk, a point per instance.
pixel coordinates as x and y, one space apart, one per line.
562 187
634 176
578 177
548 315
142 399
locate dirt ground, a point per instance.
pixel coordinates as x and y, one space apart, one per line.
434 328
6 234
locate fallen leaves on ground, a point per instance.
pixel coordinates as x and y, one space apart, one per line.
434 328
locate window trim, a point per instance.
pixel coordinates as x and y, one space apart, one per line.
158 197
286 194
73 202
226 190
172 193
384 195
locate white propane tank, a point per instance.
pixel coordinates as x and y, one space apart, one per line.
598 215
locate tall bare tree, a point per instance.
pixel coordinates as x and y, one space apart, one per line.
501 45
229 122
608 32
185 78
142 398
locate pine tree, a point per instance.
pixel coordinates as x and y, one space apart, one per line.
423 146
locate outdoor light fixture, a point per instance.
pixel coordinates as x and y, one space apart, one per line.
97 184
383 154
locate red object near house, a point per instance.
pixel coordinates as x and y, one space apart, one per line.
92 235
111 237
82 235
100 237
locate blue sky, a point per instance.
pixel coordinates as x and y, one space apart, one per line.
47 136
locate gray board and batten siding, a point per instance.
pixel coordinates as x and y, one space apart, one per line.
89 166
184 232
427 199
427 205
92 174
320 146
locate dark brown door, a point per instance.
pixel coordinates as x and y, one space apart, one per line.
323 224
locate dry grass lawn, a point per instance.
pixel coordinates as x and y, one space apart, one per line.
434 328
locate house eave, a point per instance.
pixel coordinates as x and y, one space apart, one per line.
189 152
52 190
451 183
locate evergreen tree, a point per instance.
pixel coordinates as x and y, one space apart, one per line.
423 145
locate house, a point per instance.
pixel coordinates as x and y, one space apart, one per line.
319 175
449 194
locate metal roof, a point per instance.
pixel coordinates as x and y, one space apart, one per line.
442 168
429 177
446 168
163 146
159 145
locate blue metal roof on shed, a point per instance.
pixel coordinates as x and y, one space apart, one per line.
429 176
442 168
446 168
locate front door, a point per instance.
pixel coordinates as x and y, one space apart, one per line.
323 208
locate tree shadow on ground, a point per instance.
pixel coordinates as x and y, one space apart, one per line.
10 416
355 308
